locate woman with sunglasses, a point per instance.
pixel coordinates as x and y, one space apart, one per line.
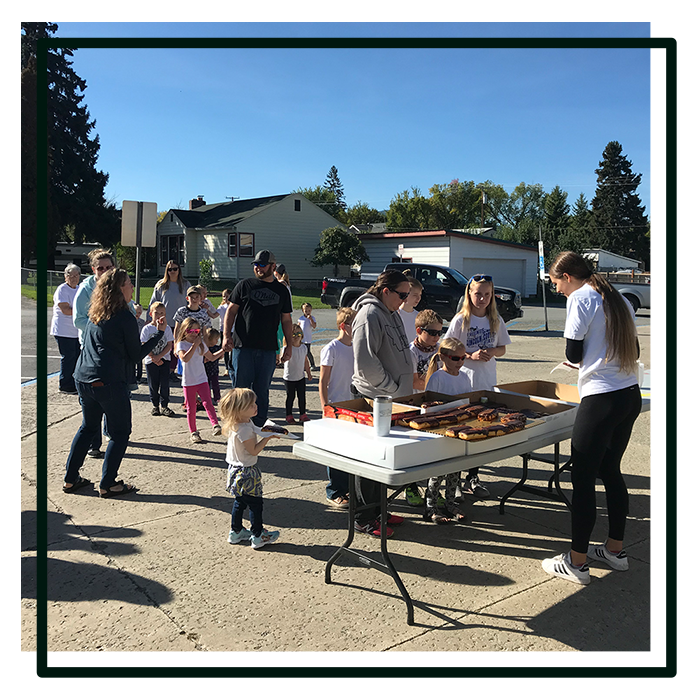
111 347
481 330
382 366
171 291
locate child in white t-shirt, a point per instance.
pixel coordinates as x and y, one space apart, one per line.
308 324
451 379
192 352
337 366
407 310
293 376
221 309
158 362
244 480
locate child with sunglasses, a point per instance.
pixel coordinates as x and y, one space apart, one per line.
482 331
192 351
450 378
407 311
293 375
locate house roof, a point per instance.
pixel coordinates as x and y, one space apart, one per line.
225 214
444 233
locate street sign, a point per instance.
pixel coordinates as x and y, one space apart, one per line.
541 247
130 224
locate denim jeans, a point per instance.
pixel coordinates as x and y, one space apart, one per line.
253 369
69 348
255 506
112 401
338 483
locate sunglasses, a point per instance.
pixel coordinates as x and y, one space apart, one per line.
257 264
104 269
402 295
173 269
297 335
434 334
194 330
454 358
481 278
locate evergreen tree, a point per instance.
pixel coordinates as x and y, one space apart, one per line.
333 184
617 215
556 217
76 187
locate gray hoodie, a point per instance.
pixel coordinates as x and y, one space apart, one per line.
382 356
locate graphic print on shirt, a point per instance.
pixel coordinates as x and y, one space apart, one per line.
264 297
479 338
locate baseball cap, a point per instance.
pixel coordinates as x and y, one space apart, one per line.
264 257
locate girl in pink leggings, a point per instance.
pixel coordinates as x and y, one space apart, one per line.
193 352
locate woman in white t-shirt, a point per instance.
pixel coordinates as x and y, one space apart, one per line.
483 333
601 338
63 330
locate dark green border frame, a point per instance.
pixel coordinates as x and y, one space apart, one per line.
669 45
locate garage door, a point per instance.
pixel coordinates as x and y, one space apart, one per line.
506 273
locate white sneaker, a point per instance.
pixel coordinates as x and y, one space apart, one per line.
195 437
266 537
600 552
236 537
561 566
216 430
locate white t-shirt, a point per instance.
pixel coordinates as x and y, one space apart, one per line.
409 323
444 383
236 453
148 332
193 372
585 320
61 324
340 357
421 359
478 336
295 365
305 324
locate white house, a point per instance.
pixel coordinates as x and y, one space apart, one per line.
231 233
510 264
605 261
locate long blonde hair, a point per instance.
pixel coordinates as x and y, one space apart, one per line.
107 298
232 405
296 328
620 332
165 282
491 309
450 344
189 322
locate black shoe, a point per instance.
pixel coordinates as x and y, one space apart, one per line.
97 454
73 392
477 489
155 411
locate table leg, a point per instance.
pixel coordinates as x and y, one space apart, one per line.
351 527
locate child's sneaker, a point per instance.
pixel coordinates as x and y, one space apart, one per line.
393 519
477 489
216 430
155 411
266 537
373 528
243 536
290 420
195 437
165 411
562 567
413 497
303 418
600 552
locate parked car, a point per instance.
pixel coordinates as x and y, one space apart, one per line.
443 291
639 295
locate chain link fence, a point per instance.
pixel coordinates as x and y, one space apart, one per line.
54 279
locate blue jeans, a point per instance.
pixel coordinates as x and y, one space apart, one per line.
255 506
70 350
338 483
112 401
253 369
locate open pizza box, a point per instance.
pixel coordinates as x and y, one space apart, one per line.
566 393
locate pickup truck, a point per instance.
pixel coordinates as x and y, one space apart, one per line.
443 291
639 295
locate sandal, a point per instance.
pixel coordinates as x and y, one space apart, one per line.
110 493
339 501
458 515
436 517
79 484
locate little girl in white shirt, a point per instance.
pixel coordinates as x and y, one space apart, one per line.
293 376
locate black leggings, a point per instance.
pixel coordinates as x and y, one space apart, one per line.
297 389
600 437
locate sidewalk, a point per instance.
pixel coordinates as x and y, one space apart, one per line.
153 571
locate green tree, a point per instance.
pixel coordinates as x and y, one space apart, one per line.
333 185
618 221
76 186
454 205
338 246
321 197
361 213
408 211
556 217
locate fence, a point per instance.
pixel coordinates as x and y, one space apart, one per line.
54 279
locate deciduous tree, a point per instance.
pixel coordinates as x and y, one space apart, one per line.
338 246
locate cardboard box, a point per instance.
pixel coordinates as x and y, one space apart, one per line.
415 401
548 390
361 411
402 448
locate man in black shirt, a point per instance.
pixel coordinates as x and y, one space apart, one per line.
258 304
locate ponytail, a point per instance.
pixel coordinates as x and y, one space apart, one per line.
432 368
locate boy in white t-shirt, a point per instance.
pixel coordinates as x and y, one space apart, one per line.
335 385
158 362
308 326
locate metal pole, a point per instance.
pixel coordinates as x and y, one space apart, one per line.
139 235
544 291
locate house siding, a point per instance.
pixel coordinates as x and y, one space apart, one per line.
433 251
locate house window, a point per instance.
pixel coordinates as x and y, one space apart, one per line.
242 244
172 248
297 205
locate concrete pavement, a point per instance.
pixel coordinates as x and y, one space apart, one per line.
153 571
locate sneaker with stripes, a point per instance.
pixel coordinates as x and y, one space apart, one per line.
599 552
562 567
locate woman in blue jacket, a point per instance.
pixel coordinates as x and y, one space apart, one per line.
111 348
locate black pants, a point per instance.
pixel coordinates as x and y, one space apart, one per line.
159 382
296 389
309 354
600 437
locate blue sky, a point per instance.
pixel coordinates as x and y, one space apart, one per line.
177 123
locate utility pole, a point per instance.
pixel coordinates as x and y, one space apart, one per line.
542 278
